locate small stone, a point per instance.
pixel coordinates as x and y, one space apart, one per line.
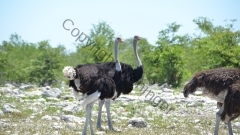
4 125
198 93
100 132
1 113
72 118
52 99
191 105
26 87
175 120
71 125
237 124
167 90
196 121
54 92
10 109
46 117
138 122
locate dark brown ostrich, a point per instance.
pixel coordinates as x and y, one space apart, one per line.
222 85
91 82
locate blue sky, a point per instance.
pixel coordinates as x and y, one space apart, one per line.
41 20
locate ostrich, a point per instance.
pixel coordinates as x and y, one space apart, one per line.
124 84
222 85
128 78
93 82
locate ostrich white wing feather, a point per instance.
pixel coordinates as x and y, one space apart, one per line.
90 98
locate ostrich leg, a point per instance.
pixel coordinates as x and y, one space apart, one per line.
107 104
230 128
90 122
88 119
218 118
99 119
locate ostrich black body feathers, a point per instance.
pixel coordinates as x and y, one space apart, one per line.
129 76
123 80
92 79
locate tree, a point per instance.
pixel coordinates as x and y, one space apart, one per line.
47 65
167 58
220 45
15 59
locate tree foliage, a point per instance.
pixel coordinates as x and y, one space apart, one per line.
173 59
218 44
166 59
23 62
48 61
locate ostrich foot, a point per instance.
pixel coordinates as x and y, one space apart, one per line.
100 128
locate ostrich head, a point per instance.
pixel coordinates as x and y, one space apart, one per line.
136 38
69 72
119 40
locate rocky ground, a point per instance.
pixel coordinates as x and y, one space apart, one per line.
30 110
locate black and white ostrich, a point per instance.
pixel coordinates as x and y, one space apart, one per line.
128 78
91 82
222 85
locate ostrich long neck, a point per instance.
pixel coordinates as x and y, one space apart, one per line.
136 54
118 66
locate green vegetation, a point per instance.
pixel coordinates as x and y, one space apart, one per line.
173 59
